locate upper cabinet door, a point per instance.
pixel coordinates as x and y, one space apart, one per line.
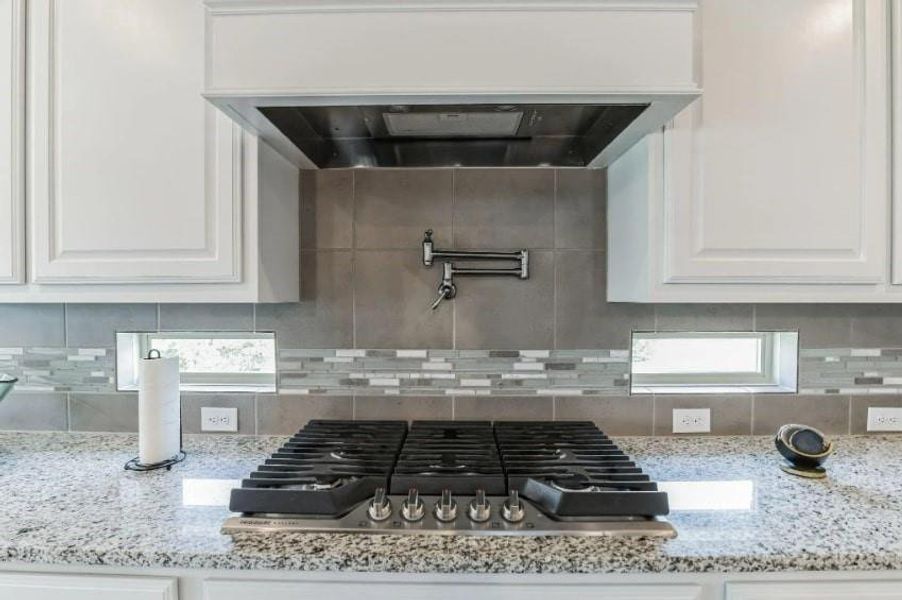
133 177
12 128
896 37
779 174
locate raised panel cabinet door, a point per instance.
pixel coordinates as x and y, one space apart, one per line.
12 128
814 590
297 590
133 177
38 586
779 173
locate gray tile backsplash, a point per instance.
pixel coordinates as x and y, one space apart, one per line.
363 287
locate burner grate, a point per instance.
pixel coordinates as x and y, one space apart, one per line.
460 456
325 469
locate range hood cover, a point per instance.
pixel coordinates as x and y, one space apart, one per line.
481 135
423 83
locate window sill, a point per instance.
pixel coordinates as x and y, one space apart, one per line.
208 388
711 389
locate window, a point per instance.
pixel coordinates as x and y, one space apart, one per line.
713 362
208 361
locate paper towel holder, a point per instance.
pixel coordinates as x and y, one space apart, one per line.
135 464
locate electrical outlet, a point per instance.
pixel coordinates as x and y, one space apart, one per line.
691 420
884 418
218 419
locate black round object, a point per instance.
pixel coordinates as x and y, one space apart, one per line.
805 447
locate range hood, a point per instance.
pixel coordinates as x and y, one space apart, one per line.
430 83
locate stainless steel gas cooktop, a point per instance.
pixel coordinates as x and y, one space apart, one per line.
450 477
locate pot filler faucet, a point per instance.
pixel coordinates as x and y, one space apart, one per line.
447 290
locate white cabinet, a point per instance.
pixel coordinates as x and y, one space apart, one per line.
38 586
292 590
12 128
137 188
814 590
777 178
896 37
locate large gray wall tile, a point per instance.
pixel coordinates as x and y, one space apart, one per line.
32 325
829 413
704 317
193 402
482 408
34 411
506 312
281 414
580 209
95 325
395 206
406 408
877 325
104 412
206 317
819 325
619 415
730 415
324 316
585 319
504 208
327 209
392 300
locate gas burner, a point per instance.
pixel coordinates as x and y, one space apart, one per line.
469 478
319 484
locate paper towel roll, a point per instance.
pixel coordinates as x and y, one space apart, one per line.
159 410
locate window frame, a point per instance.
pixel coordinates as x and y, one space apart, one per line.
136 345
767 375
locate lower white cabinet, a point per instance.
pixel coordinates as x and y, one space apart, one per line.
38 586
296 590
814 590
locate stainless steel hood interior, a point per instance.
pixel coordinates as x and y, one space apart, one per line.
466 135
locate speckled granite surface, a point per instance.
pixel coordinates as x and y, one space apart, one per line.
67 500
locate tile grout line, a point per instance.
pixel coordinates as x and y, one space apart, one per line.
453 304
353 261
65 324
554 273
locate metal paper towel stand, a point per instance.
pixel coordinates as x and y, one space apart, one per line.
136 465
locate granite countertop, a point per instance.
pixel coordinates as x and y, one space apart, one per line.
67 500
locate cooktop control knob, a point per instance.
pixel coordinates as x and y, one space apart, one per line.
379 508
479 510
512 510
446 507
412 507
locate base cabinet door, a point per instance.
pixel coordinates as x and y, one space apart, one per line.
35 586
296 590
132 176
814 590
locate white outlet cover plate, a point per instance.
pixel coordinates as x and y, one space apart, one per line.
884 418
218 419
691 420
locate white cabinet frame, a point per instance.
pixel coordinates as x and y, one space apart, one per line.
12 154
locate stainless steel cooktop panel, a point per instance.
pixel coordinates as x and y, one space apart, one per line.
535 523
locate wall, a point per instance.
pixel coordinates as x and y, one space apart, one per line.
345 349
